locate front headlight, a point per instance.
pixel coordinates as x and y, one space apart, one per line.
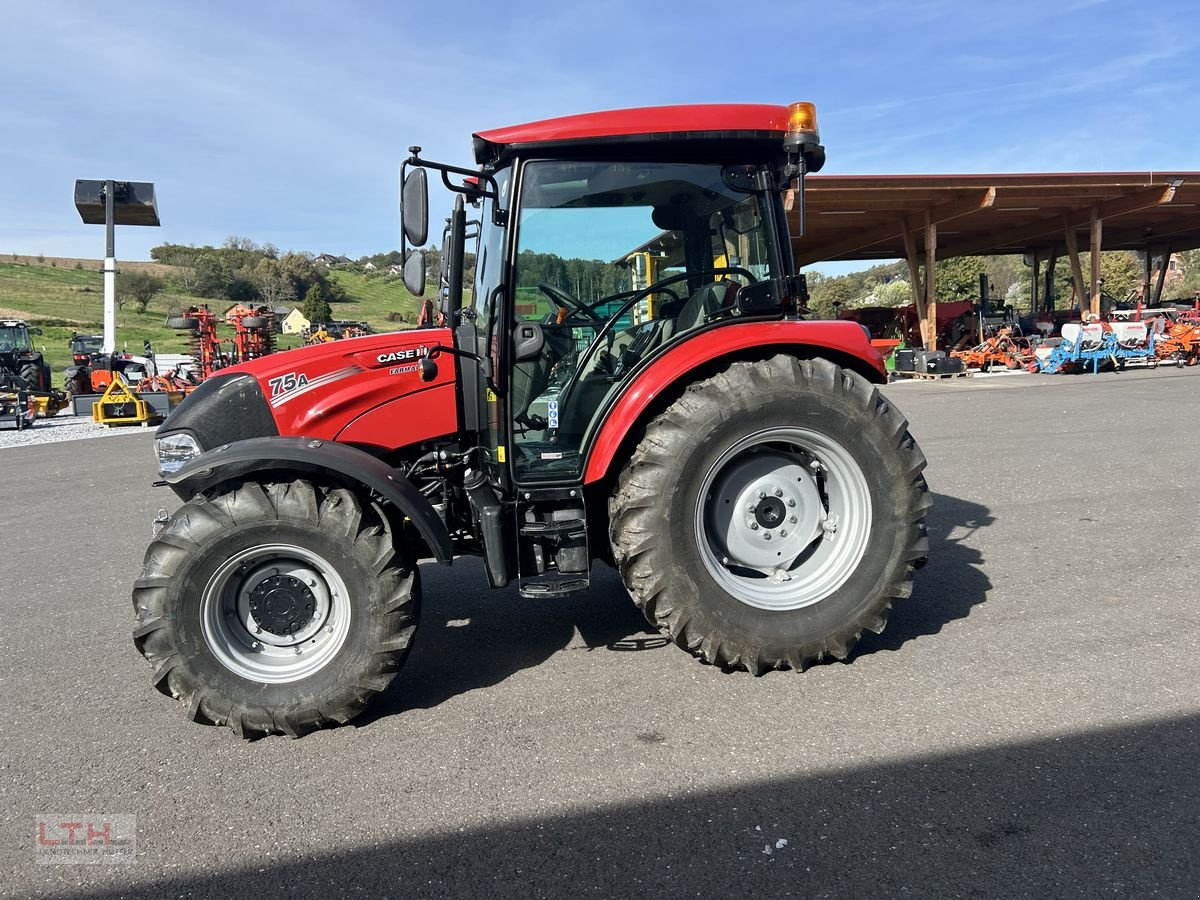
175 450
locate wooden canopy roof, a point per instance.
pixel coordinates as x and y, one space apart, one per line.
851 217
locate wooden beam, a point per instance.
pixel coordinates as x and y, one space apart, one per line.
1073 255
1048 287
1033 284
1022 235
943 213
931 278
1162 274
1147 269
914 275
1095 245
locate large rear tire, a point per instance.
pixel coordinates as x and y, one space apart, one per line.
275 608
772 514
31 374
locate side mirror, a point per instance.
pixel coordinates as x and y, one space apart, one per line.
445 262
414 273
528 340
428 368
414 207
35 331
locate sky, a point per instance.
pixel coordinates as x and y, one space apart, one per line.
287 122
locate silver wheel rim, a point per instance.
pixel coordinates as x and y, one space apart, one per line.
783 519
275 613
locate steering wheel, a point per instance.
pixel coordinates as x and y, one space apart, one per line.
564 300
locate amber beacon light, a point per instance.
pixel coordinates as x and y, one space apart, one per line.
802 126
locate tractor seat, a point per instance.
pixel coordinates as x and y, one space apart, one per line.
705 302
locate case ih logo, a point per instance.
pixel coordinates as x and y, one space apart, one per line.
76 838
403 355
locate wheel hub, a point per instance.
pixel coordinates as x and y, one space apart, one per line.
765 510
282 604
770 513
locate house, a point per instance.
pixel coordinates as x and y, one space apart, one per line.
295 323
329 260
395 269
369 266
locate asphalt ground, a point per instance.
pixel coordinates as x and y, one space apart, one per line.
1027 724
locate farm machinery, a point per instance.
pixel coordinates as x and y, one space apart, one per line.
1094 344
761 500
253 338
1179 341
1006 347
25 390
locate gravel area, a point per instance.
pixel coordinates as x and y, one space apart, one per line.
63 427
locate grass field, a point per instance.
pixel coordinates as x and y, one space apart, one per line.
65 295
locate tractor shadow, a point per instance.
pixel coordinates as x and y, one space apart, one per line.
948 587
472 637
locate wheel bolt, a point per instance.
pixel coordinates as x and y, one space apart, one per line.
783 532
312 582
791 501
793 519
778 492
754 526
255 645
762 495
767 536
750 507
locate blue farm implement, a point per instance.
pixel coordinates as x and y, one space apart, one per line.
1096 344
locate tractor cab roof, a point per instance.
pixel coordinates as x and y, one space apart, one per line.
653 126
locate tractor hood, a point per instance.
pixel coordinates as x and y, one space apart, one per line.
365 391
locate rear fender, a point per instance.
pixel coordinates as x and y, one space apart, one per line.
844 343
259 456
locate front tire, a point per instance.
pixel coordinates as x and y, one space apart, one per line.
772 514
275 608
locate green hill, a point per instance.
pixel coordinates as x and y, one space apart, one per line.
65 295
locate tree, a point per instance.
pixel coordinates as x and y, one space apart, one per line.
829 295
958 277
1121 273
140 287
316 307
212 277
273 285
894 293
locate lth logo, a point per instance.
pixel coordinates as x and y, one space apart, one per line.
79 838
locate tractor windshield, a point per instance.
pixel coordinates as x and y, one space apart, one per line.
615 260
14 337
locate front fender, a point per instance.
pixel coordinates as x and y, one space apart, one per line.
349 465
845 343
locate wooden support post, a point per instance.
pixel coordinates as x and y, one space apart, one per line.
1162 274
1076 269
914 276
1033 284
1048 287
1095 245
1146 271
931 281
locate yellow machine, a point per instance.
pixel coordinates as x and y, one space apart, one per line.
321 336
48 405
644 266
121 406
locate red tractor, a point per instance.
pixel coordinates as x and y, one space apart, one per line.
763 503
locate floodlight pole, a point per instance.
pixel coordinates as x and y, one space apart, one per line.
110 270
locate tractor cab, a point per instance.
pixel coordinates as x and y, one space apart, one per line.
603 242
21 365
